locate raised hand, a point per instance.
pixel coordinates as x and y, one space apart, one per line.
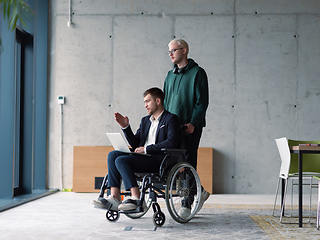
123 121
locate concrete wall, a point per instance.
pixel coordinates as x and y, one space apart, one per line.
262 59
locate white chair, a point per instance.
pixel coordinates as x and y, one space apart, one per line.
284 151
285 174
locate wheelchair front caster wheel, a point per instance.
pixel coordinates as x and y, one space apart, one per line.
158 219
112 216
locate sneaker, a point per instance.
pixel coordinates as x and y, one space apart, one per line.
184 212
103 203
204 196
131 203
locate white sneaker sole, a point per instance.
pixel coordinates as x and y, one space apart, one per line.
127 207
98 204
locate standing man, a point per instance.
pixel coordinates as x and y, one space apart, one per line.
187 95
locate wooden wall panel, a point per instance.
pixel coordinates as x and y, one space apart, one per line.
90 162
205 168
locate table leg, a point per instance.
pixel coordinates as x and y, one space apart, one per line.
318 209
300 187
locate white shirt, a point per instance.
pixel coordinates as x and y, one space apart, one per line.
151 138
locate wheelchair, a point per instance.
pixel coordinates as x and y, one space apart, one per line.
177 182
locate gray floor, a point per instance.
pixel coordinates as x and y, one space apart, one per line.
66 215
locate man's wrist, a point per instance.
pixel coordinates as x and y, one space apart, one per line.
123 128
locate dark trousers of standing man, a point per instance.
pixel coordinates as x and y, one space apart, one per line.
190 142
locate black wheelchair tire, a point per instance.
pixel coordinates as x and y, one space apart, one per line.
112 216
158 219
174 197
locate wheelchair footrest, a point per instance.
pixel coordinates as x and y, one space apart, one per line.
137 210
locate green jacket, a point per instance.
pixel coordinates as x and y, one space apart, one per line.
187 94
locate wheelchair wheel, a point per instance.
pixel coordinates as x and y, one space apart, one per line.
158 219
112 216
183 192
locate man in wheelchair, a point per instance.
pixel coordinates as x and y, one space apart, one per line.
158 130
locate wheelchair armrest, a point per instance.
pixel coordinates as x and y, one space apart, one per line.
172 157
173 150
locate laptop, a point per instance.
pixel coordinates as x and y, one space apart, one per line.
119 143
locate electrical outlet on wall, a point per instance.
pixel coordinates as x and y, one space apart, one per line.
61 99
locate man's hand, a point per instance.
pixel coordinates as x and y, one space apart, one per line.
139 150
123 121
190 128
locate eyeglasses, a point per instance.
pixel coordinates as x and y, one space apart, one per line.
172 51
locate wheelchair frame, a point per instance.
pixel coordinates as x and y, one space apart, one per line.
182 187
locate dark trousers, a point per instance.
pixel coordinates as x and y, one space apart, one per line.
124 165
190 142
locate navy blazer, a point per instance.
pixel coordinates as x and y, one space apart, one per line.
167 136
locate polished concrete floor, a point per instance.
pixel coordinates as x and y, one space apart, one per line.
68 215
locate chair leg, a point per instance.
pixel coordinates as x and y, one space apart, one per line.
284 199
310 199
318 209
275 199
291 198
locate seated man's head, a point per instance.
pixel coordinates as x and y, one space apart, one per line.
153 101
